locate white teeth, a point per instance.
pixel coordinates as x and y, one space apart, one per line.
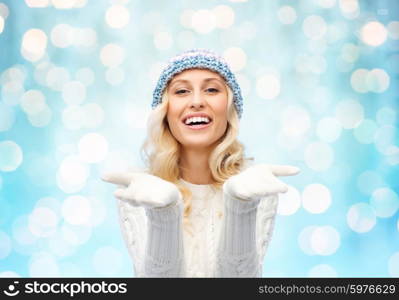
196 119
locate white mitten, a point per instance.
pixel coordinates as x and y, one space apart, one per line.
142 189
258 181
237 254
164 254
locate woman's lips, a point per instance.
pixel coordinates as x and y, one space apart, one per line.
199 126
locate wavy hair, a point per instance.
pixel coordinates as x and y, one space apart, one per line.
161 151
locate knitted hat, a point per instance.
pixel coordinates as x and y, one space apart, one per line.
198 58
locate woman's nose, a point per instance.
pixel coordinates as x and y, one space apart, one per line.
197 100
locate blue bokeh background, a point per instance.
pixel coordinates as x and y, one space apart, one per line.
320 82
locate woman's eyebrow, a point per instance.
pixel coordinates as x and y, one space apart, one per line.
183 80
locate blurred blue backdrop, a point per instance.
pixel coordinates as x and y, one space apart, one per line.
320 80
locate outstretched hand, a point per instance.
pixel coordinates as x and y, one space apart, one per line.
142 189
259 181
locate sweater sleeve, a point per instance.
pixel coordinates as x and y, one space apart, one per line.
153 238
164 254
243 241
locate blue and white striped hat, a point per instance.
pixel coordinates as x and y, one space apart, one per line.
198 58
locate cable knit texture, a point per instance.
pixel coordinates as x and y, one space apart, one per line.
230 236
164 252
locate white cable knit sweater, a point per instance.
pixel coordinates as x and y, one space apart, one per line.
230 236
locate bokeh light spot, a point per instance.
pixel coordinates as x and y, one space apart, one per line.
365 132
34 44
93 148
289 202
385 202
325 240
314 27
316 198
10 156
361 217
112 55
236 58
350 113
287 14
76 210
319 156
373 33
322 270
117 16
268 86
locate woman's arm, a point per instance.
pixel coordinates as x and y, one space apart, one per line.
163 255
238 253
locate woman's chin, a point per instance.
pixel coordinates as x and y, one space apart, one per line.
197 144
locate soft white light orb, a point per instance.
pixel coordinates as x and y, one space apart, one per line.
93 148
112 55
62 35
93 115
236 58
43 222
316 198
163 40
72 174
203 21
73 117
350 113
117 16
11 156
43 264
325 240
76 210
361 217
1 24
385 202
268 86
373 33
37 3
224 16
319 156
289 202
359 80
33 102
295 121
73 93
322 270
85 76
287 14
34 44
314 27
364 133
56 77
377 80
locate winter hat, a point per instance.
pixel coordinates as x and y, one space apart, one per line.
198 58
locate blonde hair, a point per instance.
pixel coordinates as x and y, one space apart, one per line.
161 151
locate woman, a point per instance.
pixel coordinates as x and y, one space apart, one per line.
201 209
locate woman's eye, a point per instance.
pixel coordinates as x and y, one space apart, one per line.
213 90
180 91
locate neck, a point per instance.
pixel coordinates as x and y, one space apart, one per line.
194 166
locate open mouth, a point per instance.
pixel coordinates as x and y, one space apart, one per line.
197 122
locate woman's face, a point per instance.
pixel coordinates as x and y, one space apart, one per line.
197 109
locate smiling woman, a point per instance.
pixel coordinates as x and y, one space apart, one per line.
201 208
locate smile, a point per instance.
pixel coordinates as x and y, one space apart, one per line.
197 123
